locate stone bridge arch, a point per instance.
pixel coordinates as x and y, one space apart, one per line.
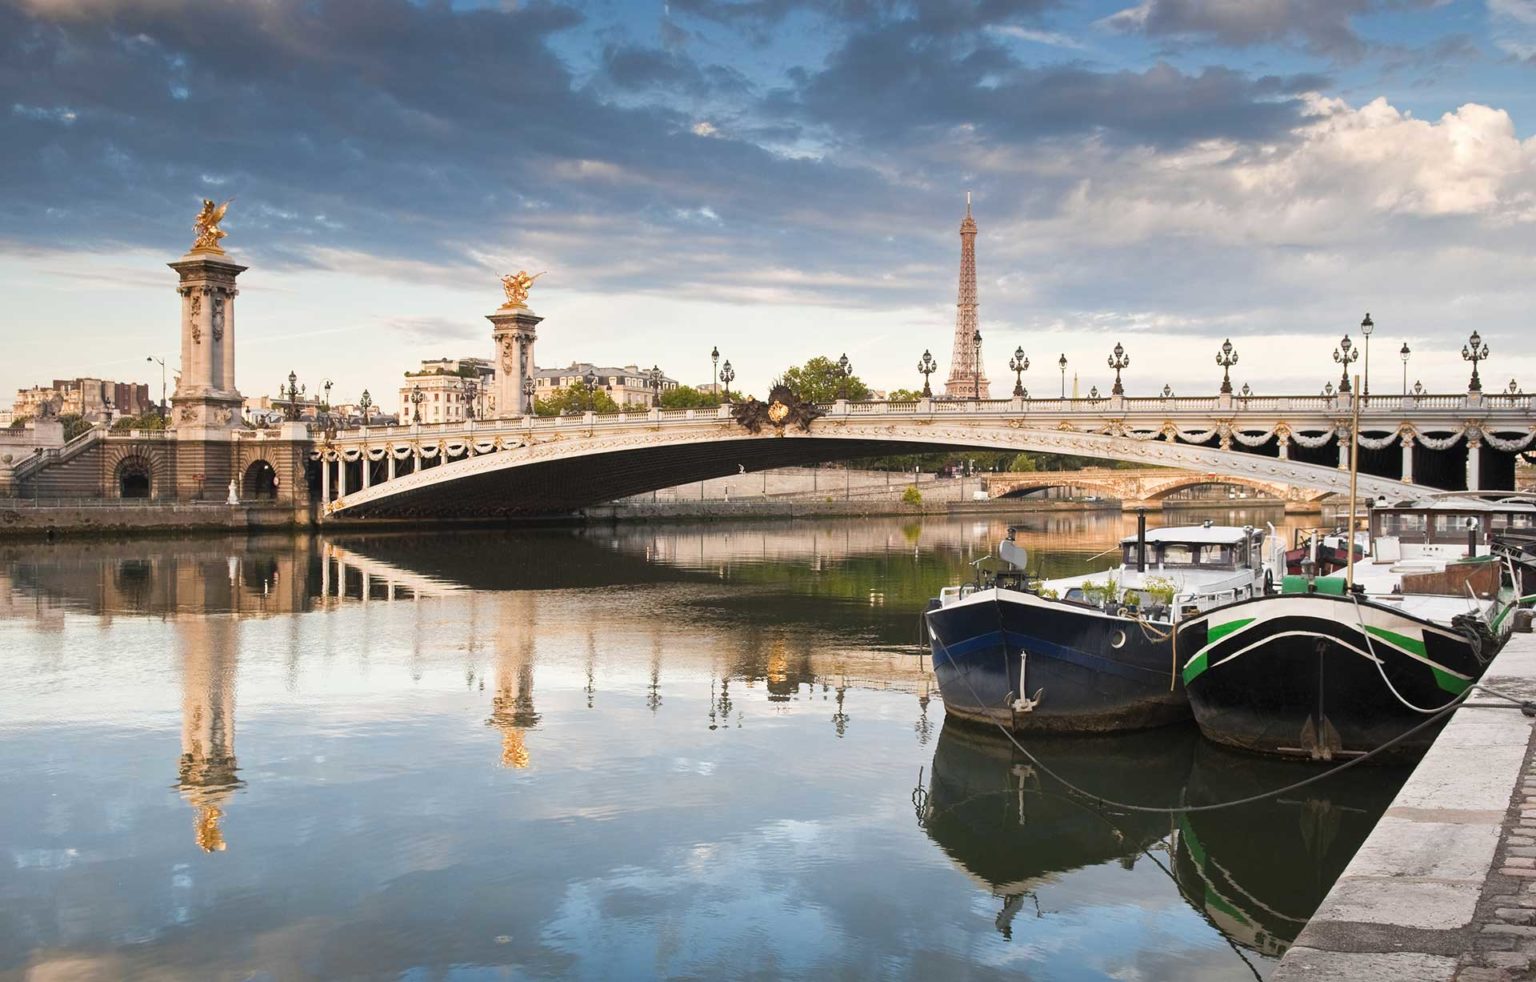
561 465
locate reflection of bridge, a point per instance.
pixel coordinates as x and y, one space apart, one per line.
1138 487
532 465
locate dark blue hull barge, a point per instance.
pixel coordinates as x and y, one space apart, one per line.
1034 664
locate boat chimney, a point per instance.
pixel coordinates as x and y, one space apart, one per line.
1141 540
1471 538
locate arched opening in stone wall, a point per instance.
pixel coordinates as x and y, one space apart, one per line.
133 478
260 481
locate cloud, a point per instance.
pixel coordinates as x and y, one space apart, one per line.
1514 27
1323 26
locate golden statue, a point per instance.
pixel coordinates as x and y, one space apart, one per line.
207 227
517 286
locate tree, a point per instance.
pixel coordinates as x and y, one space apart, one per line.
820 380
687 397
575 399
151 420
903 395
74 425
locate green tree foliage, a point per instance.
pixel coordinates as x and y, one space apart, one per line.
74 425
820 380
151 420
20 422
904 395
687 397
912 496
574 399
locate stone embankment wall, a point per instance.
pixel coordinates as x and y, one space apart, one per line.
1445 886
22 519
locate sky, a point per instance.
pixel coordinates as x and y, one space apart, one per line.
778 178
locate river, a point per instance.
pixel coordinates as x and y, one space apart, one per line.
705 751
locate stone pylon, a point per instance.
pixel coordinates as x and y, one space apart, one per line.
205 396
513 329
967 379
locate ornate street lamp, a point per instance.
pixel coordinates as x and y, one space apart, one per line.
1514 387
1345 354
161 363
1328 390
591 379
1475 351
976 379
1404 355
365 403
1018 365
727 376
1118 360
927 366
471 390
529 385
653 378
844 369
417 397
1366 327
1246 392
1093 393
1062 363
292 395
714 356
1167 391
1226 358
1418 389
327 386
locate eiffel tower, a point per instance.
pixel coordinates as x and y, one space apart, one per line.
967 379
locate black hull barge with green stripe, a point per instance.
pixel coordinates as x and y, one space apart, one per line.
1324 673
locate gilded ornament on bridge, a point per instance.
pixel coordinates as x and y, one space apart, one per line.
517 286
782 409
206 225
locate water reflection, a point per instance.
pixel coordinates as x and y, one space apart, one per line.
206 777
1014 828
1255 871
604 752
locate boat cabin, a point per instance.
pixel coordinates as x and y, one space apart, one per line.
1451 527
1207 548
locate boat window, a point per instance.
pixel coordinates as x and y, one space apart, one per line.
1452 528
1516 520
1403 524
1215 555
1177 554
1075 593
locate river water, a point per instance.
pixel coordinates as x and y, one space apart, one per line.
701 751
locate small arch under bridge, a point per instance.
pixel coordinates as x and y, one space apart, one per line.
1148 486
531 465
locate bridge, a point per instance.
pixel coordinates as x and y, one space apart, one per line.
540 465
1142 486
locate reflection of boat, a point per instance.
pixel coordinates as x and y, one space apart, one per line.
1259 871
1087 654
1012 827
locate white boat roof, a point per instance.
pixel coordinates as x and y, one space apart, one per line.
1193 534
1503 501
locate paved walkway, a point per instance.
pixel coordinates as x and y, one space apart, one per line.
1445 886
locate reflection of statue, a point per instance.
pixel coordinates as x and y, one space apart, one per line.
517 285
206 225
207 773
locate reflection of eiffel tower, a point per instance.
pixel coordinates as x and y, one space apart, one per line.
206 775
512 710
